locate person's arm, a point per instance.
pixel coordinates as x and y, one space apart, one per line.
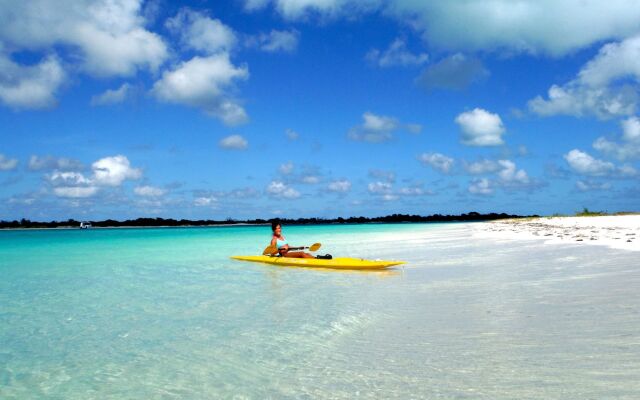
274 245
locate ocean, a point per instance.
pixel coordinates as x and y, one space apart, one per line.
164 313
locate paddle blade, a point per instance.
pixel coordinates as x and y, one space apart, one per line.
315 247
270 250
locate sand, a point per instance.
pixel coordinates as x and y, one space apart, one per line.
618 232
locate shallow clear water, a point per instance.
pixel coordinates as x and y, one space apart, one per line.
163 313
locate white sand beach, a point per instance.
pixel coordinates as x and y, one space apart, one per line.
619 232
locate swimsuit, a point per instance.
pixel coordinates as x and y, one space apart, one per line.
280 243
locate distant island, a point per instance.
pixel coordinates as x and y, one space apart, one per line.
143 222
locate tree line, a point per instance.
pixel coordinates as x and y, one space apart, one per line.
139 222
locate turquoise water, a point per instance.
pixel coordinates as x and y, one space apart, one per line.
163 313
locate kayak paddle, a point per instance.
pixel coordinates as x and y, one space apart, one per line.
274 249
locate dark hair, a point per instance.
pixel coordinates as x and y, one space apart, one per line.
274 225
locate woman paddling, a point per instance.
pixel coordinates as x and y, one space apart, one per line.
278 241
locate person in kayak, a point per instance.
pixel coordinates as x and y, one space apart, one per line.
281 244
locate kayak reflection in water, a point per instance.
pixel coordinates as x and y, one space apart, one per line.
281 244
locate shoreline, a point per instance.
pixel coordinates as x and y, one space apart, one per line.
614 231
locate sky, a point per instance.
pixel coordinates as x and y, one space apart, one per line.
317 108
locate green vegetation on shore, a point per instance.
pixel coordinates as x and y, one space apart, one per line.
394 218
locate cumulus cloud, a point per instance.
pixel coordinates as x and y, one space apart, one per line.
381 174
6 163
531 26
482 167
75 191
108 36
39 163
286 168
396 54
378 128
292 135
455 72
198 31
106 172
112 96
149 191
480 128
112 171
586 186
205 201
437 161
482 186
585 164
339 186
379 187
275 41
511 176
601 87
203 82
578 100
30 87
279 189
628 147
310 179
234 142
301 9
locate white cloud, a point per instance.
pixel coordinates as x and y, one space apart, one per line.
205 201
480 128
579 100
455 72
396 54
292 135
378 128
600 88
510 175
585 164
437 161
390 197
628 147
614 60
106 172
58 178
286 169
199 32
310 179
631 129
585 186
482 167
339 186
379 187
234 142
112 171
281 190
37 163
301 9
108 37
112 96
413 191
75 191
276 41
620 150
388 176
30 87
6 163
149 191
481 186
202 82
533 26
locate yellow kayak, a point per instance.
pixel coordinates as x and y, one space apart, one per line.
335 263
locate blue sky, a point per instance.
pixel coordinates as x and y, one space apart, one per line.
326 108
